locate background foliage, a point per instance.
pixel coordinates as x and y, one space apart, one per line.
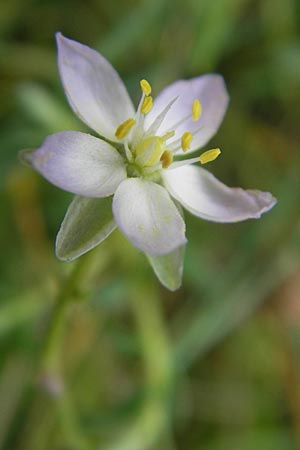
213 366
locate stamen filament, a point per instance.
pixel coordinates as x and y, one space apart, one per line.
139 117
197 130
196 113
144 107
168 135
176 145
124 128
185 162
180 122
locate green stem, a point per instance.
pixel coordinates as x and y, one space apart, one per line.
69 292
51 356
153 418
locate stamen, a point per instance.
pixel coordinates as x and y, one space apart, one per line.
184 162
168 135
209 155
166 159
196 110
123 129
146 88
186 140
206 157
147 104
175 146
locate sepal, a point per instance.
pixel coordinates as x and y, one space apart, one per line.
169 268
87 223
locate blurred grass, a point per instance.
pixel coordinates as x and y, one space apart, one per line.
214 365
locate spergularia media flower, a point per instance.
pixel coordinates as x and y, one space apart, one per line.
131 177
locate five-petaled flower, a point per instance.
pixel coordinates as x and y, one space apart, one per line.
131 176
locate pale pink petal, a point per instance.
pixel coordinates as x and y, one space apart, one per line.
79 163
205 196
147 216
94 89
210 90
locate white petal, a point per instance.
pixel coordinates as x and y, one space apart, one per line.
147 216
94 89
210 90
205 196
79 163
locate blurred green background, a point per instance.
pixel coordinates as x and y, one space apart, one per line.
213 366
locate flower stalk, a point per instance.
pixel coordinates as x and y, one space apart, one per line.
153 418
51 372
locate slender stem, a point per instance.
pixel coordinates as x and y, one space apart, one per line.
69 292
153 418
51 354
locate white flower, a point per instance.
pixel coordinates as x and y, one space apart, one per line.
128 177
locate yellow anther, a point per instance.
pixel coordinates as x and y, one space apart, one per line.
166 159
186 140
209 156
124 128
145 86
147 105
196 109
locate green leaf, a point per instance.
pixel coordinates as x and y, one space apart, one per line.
168 268
87 223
